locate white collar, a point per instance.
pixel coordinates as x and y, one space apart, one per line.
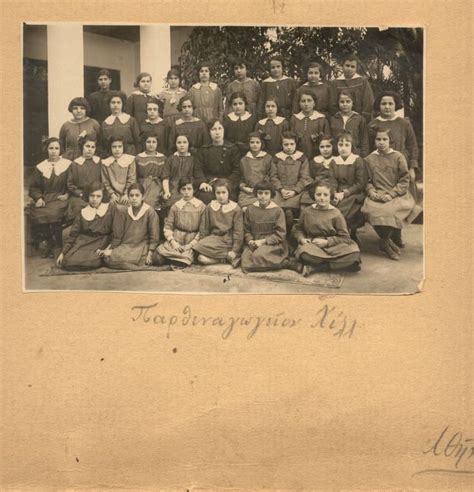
249 154
385 119
319 159
185 155
272 204
307 84
315 116
176 91
123 161
277 120
271 79
89 213
232 116
228 207
123 118
140 213
281 155
341 77
350 160
144 154
81 160
194 201
376 152
330 207
181 121
148 94
46 167
212 85
159 120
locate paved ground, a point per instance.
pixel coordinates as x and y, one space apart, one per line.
378 275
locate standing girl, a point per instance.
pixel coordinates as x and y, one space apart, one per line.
348 178
242 83
79 126
255 166
89 233
180 165
272 127
136 102
222 230
389 205
120 124
289 175
206 95
308 125
317 87
181 228
135 234
83 171
239 122
279 86
347 120
149 166
118 172
324 241
48 189
171 96
154 125
187 124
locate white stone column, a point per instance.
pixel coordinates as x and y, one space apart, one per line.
65 71
155 52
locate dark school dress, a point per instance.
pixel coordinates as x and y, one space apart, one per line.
170 99
309 129
361 92
124 126
90 231
318 171
349 176
49 180
81 174
237 129
269 224
149 169
252 90
160 130
118 174
222 230
100 104
207 101
321 94
252 170
195 130
71 131
272 130
284 90
136 105
355 124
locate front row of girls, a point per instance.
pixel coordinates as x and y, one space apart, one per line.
328 197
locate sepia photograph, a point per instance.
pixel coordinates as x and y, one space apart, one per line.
223 159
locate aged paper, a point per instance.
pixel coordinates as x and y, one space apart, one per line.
146 391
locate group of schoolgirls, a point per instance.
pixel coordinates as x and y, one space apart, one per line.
180 177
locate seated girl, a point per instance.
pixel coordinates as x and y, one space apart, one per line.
135 234
348 177
222 230
83 171
255 166
265 244
149 167
48 189
118 172
389 205
181 228
89 233
324 241
290 175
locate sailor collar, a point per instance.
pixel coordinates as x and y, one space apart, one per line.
195 202
385 119
350 160
376 152
277 120
272 204
297 155
185 155
249 154
144 154
123 161
82 159
271 79
232 116
122 117
330 207
356 76
46 167
319 159
212 85
140 213
159 120
315 116
227 207
90 213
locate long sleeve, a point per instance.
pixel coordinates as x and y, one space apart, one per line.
170 222
342 234
333 182
220 104
274 178
279 230
62 137
72 188
131 177
106 180
304 178
153 226
198 173
73 234
404 178
204 228
360 178
367 100
167 168
248 236
129 105
135 129
293 124
326 127
364 138
333 104
118 228
296 103
234 176
237 232
298 229
411 145
36 186
370 185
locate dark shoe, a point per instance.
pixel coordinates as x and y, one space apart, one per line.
355 267
355 237
293 265
397 238
393 246
391 253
